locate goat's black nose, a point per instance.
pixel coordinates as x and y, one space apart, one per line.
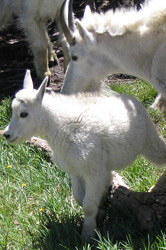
7 136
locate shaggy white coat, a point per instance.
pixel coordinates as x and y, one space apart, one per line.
90 136
125 41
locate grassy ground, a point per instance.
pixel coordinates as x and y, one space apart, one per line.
37 210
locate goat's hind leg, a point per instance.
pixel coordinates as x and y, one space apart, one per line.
158 73
160 104
155 147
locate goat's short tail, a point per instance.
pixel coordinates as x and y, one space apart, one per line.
6 15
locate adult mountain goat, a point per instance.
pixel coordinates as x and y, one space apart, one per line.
33 16
89 136
125 41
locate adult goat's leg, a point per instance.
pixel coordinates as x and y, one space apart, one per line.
41 53
52 57
37 36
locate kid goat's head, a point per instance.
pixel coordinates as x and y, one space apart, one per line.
83 66
25 108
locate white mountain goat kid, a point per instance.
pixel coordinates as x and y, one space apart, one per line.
33 17
125 41
89 136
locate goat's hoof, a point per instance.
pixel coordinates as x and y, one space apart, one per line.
100 216
41 76
86 236
48 73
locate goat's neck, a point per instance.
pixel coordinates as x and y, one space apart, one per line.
52 122
47 122
122 55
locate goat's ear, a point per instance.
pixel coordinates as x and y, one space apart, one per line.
87 12
28 84
42 88
85 34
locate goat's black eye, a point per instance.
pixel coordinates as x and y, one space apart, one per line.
74 58
23 114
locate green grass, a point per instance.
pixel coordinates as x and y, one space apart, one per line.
37 210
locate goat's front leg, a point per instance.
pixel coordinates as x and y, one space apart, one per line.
41 62
95 188
38 39
78 187
51 54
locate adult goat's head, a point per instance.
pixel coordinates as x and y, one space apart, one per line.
25 109
83 67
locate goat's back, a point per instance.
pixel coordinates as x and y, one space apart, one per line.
115 128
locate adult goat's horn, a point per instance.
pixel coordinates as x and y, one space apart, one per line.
70 16
66 13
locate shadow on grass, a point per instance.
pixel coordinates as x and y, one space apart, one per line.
59 234
120 229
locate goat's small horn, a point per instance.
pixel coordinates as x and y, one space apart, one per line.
67 15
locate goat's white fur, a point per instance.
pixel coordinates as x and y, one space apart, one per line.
125 41
89 135
33 16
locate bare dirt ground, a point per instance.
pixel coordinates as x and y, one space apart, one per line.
16 57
